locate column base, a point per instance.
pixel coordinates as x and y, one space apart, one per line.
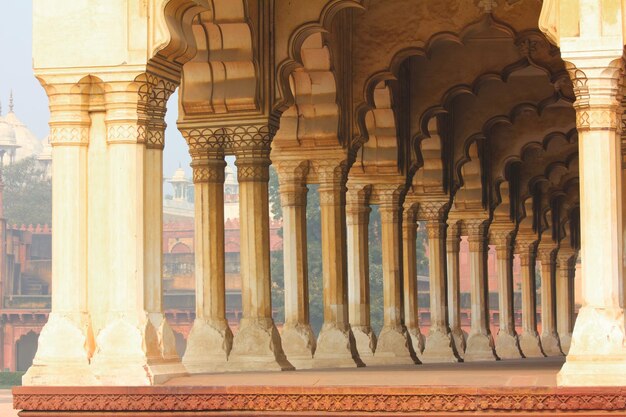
597 355
439 348
459 337
551 345
418 341
336 348
366 341
298 343
257 347
507 345
530 344
62 356
566 341
480 347
394 347
208 346
132 355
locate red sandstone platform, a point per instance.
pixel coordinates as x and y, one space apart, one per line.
520 388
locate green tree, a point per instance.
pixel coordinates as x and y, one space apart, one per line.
27 193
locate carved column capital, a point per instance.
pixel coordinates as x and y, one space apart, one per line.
292 180
453 238
388 196
251 145
477 234
332 175
436 229
598 89
503 239
545 253
432 210
357 204
526 246
409 217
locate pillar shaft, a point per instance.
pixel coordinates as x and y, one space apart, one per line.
409 268
453 242
65 343
394 346
549 338
257 345
335 343
565 297
210 339
597 79
529 339
298 339
357 220
440 345
507 344
480 344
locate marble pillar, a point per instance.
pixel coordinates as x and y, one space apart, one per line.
135 346
549 337
394 343
507 343
529 340
357 219
409 269
257 344
336 346
210 339
439 342
297 336
453 243
66 342
597 354
566 259
480 344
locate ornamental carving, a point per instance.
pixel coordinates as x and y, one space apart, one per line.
432 210
291 171
69 135
250 142
477 234
208 171
126 133
598 119
246 172
372 399
293 195
204 142
390 213
436 229
330 171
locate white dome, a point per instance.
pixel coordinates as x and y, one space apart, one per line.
28 143
7 133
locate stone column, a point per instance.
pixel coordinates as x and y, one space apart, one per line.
357 219
66 343
507 343
549 338
257 345
409 268
480 345
564 297
394 345
336 346
453 243
439 342
136 345
210 339
597 353
529 341
298 339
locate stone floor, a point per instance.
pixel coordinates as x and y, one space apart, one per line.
512 373
506 388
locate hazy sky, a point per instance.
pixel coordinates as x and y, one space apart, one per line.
31 104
